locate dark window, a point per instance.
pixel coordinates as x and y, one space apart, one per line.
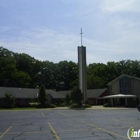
125 85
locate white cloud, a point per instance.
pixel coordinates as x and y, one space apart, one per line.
108 37
4 29
120 5
46 44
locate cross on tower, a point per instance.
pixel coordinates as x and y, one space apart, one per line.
81 37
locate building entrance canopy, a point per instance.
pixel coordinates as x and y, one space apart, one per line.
119 96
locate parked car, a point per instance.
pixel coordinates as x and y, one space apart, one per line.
138 107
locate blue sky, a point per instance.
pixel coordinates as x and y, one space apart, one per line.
50 29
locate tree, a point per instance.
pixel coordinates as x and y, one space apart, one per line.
9 100
48 74
95 82
7 67
67 73
22 70
42 96
22 79
26 70
77 96
68 98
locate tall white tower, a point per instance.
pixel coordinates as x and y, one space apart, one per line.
82 69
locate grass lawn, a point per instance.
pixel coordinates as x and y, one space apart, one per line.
22 108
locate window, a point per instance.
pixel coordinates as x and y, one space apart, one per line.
125 85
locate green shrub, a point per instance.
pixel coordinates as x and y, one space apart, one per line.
68 98
42 96
77 96
56 104
34 104
52 106
49 105
74 105
107 105
88 106
59 104
9 100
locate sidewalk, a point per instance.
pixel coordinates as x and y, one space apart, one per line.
93 107
108 108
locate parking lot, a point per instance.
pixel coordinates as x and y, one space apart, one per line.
68 124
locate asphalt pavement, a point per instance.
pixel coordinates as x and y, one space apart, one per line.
68 124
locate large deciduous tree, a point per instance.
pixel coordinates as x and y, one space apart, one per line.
7 67
22 70
68 75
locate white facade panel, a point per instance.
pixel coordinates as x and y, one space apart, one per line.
115 87
136 88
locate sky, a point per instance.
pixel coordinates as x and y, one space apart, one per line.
50 29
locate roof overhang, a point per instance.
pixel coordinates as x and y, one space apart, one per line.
119 96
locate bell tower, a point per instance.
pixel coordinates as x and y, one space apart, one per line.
82 69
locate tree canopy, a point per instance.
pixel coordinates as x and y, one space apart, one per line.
22 70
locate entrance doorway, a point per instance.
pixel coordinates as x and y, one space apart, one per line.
122 101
